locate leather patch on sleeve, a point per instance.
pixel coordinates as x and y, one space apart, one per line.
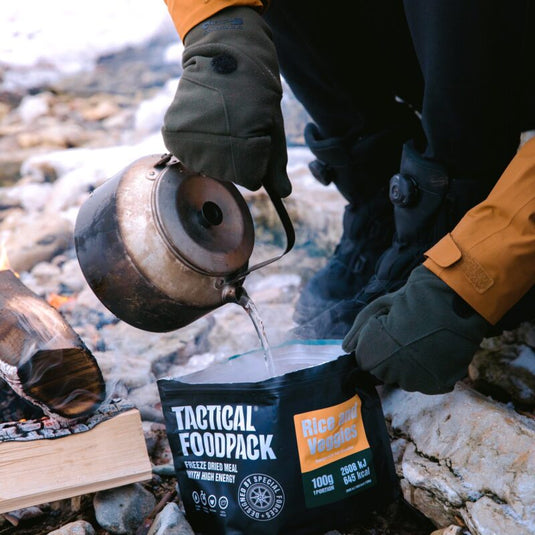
445 252
476 274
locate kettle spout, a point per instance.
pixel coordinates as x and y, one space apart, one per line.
232 293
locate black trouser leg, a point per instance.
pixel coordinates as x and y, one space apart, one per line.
348 72
468 65
473 56
346 68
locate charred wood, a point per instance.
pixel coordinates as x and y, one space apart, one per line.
42 358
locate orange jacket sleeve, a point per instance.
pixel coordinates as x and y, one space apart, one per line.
489 257
188 13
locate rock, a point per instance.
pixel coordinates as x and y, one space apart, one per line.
147 399
505 367
165 470
465 455
26 513
4 108
12 158
54 136
44 276
150 113
31 197
98 164
36 239
55 278
32 107
170 521
71 189
100 110
122 510
158 446
130 353
450 530
71 277
80 527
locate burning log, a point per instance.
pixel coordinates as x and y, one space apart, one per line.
42 358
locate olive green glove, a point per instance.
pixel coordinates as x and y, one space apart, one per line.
225 120
421 337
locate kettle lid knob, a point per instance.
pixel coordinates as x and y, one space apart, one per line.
204 221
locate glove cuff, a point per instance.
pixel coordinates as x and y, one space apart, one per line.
186 17
236 26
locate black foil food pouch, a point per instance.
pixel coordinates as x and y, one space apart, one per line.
303 452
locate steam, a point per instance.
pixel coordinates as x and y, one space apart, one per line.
55 380
47 325
10 375
115 389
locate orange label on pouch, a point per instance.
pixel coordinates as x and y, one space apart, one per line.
327 435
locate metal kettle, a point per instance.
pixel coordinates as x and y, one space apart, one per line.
161 246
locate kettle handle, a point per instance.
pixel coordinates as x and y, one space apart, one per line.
288 229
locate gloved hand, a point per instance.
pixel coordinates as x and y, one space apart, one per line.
421 337
225 120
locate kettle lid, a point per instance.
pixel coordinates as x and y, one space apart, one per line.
204 221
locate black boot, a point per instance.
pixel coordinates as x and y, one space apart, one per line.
359 167
427 205
367 232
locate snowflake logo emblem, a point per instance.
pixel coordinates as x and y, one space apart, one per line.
260 497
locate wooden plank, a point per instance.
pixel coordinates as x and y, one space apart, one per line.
111 454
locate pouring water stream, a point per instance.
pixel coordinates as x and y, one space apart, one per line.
248 305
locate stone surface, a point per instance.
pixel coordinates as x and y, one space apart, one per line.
505 367
464 455
122 510
37 239
80 527
450 530
170 521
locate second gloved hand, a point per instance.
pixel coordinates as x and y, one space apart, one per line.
421 337
225 120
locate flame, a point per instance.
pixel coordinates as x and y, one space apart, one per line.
57 300
4 259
